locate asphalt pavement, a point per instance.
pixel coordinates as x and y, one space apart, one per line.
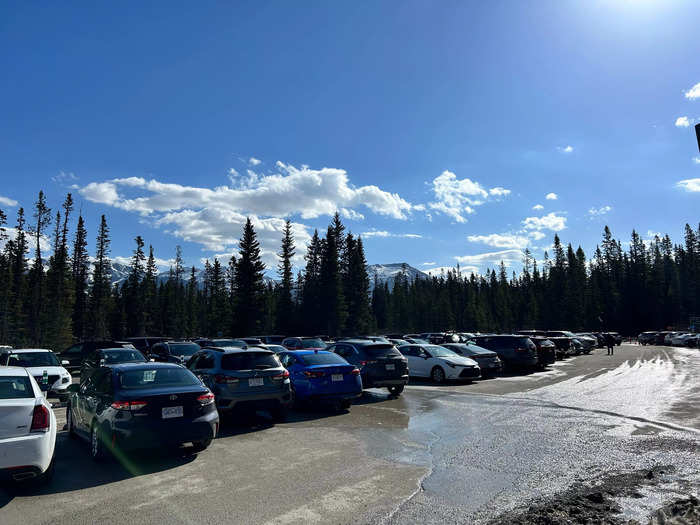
456 453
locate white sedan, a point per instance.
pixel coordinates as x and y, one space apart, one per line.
27 428
439 363
43 365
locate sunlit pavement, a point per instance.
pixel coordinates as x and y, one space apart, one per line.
456 452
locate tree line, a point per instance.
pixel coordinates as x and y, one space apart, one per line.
70 297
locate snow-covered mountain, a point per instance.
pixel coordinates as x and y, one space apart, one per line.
387 273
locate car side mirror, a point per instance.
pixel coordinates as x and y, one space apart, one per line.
64 363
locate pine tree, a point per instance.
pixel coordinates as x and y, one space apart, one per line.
37 298
359 320
333 308
249 283
285 314
80 273
132 291
100 300
151 319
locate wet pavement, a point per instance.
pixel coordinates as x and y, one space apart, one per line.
460 453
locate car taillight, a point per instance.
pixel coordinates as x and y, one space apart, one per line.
222 379
314 374
206 399
40 419
355 372
363 363
128 405
283 375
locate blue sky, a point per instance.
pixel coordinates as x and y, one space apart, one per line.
436 128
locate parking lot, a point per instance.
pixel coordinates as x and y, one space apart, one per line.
465 453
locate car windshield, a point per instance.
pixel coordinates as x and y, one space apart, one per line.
220 343
276 348
186 349
156 378
440 351
29 359
122 356
458 349
249 361
323 358
312 343
15 387
381 350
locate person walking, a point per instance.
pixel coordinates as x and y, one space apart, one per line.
610 343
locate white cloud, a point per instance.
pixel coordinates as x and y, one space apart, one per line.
384 233
64 177
253 161
538 207
457 197
44 243
491 258
538 236
565 149
498 240
101 193
694 92
551 221
428 264
696 160
682 122
551 196
689 185
596 212
8 201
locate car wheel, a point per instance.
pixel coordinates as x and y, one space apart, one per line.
96 443
199 446
279 414
70 424
396 390
437 375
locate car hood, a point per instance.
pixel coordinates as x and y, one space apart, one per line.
50 370
459 360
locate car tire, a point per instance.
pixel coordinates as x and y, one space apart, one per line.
279 414
396 390
70 423
200 446
437 374
97 451
345 404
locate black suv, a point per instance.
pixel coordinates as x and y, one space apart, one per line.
144 344
516 351
380 364
76 354
173 351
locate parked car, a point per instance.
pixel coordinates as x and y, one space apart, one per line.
144 344
438 338
416 340
546 351
380 364
139 406
303 343
515 351
222 343
589 341
76 354
660 338
27 428
252 379
668 338
488 361
44 366
173 351
564 343
616 337
680 339
398 342
322 376
646 338
109 356
252 341
271 339
439 363
273 348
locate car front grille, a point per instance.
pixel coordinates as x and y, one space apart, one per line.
49 384
469 372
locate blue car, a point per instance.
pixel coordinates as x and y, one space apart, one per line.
322 376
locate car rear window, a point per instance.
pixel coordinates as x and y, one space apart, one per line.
323 359
381 350
186 349
220 343
312 343
156 378
122 356
15 387
249 361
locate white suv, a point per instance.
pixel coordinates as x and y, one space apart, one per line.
44 366
27 428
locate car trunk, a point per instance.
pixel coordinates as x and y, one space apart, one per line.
16 417
385 363
334 376
157 400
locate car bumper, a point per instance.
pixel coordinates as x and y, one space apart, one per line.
369 382
30 454
156 433
262 401
462 372
546 358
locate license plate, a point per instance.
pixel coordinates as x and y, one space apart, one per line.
256 381
391 367
337 377
170 412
